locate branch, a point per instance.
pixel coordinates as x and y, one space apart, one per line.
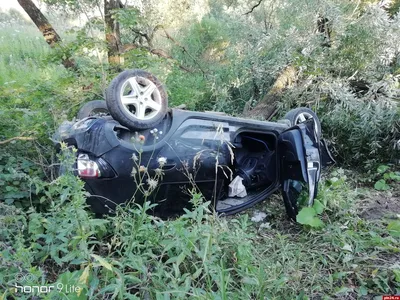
184 50
158 52
255 6
145 35
19 138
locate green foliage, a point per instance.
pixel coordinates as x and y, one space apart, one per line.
330 199
359 130
381 185
224 59
308 216
127 17
15 172
196 254
36 95
239 65
135 255
394 8
181 91
386 176
394 228
22 56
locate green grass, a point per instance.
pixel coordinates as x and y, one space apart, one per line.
36 92
201 255
22 54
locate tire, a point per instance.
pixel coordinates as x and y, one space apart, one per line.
93 108
137 99
301 114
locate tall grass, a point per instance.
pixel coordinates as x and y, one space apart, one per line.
22 55
199 255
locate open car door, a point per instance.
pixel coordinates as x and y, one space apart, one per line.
300 168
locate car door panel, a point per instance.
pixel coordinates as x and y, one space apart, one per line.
300 164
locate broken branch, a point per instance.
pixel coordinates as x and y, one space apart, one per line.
17 138
254 7
184 50
158 52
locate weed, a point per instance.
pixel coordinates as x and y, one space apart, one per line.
388 175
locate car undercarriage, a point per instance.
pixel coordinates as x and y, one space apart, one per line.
233 162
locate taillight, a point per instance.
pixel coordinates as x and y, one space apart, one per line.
93 167
87 168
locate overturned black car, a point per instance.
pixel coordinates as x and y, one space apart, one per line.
131 147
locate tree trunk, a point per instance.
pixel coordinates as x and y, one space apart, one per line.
324 27
50 35
267 106
113 38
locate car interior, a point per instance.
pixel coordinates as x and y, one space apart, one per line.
256 163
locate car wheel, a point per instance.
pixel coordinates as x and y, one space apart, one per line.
93 108
137 99
302 114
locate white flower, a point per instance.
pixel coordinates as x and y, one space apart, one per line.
160 132
158 171
152 183
134 157
133 172
155 130
162 161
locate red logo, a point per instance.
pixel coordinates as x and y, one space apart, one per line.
391 297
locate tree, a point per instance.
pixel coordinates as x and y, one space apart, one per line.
113 38
50 35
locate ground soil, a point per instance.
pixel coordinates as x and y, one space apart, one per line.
380 204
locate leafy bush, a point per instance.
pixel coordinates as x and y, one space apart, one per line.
364 128
135 255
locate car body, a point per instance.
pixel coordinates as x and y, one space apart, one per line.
200 151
